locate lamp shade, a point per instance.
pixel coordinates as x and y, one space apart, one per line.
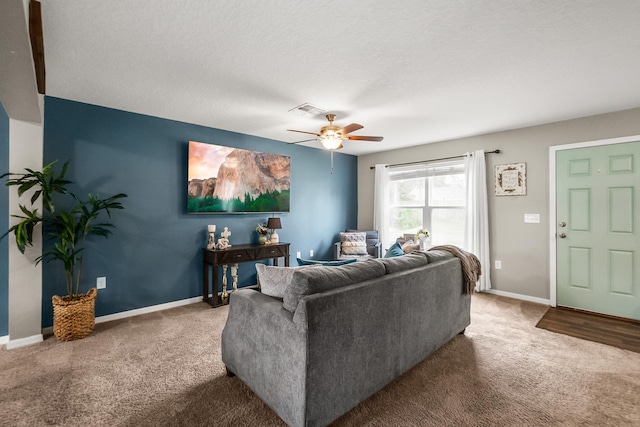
274 224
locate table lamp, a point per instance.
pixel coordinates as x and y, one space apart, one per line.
274 224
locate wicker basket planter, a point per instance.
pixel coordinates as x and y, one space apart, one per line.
74 316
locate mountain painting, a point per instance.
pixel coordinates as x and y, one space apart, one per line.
232 180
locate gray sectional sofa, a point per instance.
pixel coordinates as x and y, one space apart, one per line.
339 334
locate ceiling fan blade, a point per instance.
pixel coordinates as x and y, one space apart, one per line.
304 140
302 131
351 128
365 138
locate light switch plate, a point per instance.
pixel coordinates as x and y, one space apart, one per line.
532 218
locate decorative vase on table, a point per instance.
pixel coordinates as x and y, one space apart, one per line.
423 243
262 231
422 236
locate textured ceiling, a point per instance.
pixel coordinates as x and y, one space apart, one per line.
414 71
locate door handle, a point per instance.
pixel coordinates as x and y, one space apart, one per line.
563 224
562 235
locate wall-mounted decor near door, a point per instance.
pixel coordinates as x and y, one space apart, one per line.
511 179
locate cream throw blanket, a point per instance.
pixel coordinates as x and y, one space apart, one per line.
471 267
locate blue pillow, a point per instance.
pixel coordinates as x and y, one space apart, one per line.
394 250
328 263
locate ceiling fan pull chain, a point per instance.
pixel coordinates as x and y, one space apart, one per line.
331 162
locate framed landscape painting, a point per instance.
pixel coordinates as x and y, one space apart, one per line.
233 180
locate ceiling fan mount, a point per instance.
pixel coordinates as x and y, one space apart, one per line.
331 136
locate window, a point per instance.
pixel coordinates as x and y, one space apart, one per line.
428 195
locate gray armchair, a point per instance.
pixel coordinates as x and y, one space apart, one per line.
374 246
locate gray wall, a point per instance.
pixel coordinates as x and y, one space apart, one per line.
522 248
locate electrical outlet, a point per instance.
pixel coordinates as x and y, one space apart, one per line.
498 265
298 254
101 282
532 218
311 253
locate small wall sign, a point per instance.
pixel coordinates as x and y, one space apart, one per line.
511 179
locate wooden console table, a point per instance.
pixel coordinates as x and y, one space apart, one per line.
234 255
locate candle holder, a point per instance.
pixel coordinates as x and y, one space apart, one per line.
234 276
225 294
211 242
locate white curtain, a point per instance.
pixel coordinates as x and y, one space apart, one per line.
381 203
476 238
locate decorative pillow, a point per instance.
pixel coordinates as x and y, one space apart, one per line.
410 246
353 243
394 250
327 263
273 281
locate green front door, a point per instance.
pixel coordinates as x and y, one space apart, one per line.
598 241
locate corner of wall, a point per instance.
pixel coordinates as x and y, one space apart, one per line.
25 280
4 225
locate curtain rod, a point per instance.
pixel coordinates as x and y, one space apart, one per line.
435 160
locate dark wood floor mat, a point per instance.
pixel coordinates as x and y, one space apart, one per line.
604 329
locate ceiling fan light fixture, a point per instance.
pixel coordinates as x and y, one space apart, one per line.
331 141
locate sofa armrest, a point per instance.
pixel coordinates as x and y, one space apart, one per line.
264 347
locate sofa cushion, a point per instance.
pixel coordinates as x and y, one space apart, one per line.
354 243
326 263
403 263
394 250
307 281
273 281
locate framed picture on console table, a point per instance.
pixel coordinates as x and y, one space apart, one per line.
233 180
511 179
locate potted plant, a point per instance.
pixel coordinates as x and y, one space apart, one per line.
67 228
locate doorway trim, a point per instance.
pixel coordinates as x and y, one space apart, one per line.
552 200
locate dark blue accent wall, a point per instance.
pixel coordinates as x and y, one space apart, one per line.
155 253
4 224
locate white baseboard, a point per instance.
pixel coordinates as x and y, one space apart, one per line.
137 312
109 317
145 310
4 339
518 296
21 342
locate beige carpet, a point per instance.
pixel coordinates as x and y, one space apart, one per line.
164 369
